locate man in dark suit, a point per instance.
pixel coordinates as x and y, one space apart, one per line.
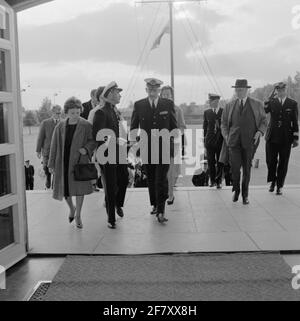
112 144
244 121
282 135
44 140
89 105
29 176
213 139
152 115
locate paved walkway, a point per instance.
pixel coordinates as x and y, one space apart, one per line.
201 220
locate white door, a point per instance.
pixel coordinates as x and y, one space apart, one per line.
13 225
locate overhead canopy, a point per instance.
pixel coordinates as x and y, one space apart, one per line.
19 5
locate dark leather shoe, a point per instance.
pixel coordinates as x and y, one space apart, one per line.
120 211
171 202
161 218
154 211
246 201
219 186
272 187
236 196
111 225
212 185
279 191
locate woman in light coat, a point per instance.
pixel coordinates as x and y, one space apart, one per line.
72 143
174 170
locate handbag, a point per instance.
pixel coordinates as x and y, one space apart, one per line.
85 172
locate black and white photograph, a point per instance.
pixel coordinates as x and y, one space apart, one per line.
149 154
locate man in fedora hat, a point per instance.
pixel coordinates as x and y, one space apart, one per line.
114 171
243 123
282 134
213 139
151 114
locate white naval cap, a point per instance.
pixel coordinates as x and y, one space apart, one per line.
153 82
109 88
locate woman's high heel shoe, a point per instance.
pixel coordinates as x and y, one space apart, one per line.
78 223
72 218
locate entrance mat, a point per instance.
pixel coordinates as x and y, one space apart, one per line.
195 277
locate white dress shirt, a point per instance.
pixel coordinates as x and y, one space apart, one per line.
244 101
282 100
155 102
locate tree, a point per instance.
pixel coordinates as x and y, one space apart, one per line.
44 111
29 119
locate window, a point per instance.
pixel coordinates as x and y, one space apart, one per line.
3 84
4 24
3 124
6 227
5 181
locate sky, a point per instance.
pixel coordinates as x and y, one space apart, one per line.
68 47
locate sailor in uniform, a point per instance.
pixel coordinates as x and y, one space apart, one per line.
282 134
213 139
114 170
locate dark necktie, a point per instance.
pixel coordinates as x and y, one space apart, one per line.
242 106
153 105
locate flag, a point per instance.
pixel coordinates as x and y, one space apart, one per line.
157 41
2 17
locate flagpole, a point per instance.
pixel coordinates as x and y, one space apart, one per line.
172 45
170 2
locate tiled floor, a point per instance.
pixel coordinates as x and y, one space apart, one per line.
201 220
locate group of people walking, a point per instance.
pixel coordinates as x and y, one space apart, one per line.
231 136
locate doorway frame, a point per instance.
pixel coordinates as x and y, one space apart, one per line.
13 148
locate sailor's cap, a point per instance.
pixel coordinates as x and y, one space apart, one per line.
153 82
109 88
280 85
213 96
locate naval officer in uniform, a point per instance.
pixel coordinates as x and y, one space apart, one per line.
151 114
114 169
282 135
213 139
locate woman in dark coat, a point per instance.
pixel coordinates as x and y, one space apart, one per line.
72 142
